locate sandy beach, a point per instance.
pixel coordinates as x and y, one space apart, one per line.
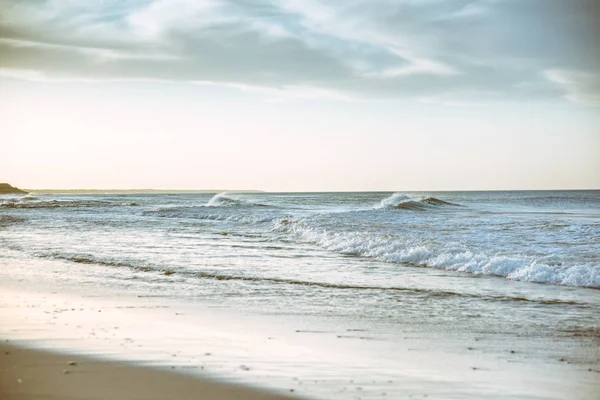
158 348
37 374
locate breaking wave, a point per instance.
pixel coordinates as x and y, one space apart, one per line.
401 201
219 276
448 256
225 200
28 197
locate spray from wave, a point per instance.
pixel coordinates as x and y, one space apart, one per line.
401 201
223 200
226 200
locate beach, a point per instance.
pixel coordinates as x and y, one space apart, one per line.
36 374
171 350
258 295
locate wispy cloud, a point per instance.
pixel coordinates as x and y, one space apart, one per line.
285 92
380 49
581 87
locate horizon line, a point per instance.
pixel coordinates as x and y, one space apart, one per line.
150 190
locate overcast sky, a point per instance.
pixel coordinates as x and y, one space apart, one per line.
300 94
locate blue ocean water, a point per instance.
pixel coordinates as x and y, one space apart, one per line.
519 255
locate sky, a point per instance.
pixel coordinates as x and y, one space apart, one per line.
300 95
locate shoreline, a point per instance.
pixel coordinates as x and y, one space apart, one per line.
27 373
233 348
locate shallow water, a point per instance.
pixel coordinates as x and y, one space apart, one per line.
520 266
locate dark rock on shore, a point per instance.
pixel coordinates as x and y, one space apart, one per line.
5 188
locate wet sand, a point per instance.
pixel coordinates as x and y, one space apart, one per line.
156 347
37 374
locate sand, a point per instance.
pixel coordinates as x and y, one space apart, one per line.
201 350
36 374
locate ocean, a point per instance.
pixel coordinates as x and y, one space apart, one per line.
510 278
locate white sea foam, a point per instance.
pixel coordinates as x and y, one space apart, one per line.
227 200
449 256
222 199
394 200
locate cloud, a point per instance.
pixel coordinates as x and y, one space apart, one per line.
580 86
286 92
417 67
371 49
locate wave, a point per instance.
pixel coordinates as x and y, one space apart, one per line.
448 256
401 201
225 200
437 202
28 197
92 260
325 285
34 202
6 220
200 213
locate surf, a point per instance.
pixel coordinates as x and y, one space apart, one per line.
227 200
400 201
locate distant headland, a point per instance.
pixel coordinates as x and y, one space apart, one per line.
5 188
